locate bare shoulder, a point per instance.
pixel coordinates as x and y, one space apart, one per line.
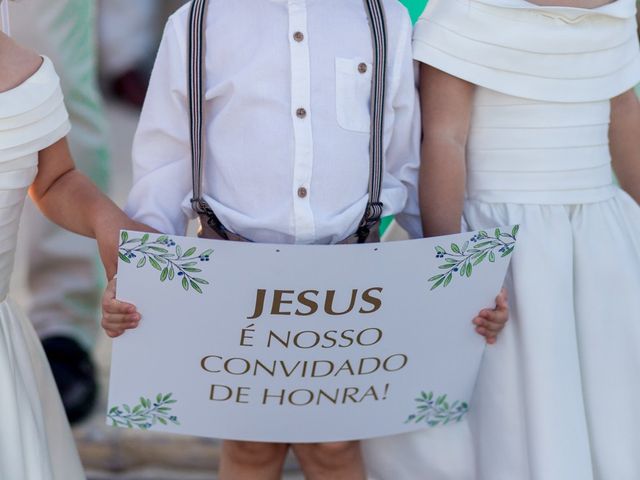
17 63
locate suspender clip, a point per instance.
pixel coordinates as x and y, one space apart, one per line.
197 206
370 220
202 208
374 212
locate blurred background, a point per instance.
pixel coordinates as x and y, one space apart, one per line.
104 51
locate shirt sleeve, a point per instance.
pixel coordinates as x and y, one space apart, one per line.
161 148
403 150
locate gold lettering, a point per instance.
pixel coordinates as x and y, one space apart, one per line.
375 302
203 363
307 302
278 301
260 295
328 303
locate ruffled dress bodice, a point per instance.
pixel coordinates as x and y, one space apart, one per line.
537 152
553 54
545 77
32 117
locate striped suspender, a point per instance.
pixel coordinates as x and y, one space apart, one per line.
196 77
377 22
196 69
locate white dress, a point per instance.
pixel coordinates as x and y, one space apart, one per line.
35 438
557 397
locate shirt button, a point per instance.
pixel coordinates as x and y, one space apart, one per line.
301 113
362 68
298 36
302 192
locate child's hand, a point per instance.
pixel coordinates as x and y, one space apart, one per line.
117 316
489 323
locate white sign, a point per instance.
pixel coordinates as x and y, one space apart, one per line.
285 343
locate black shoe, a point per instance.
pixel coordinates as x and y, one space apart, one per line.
75 376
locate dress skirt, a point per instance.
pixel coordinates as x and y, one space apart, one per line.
557 396
35 440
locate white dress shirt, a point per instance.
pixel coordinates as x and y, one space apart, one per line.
288 85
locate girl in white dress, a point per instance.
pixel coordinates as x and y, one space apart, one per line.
35 439
517 99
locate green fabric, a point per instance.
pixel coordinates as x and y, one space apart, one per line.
76 45
415 7
384 224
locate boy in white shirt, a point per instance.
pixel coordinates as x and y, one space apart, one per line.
288 88
287 160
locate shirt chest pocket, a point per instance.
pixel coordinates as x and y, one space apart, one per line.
353 94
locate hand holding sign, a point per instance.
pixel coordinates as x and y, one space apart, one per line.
302 343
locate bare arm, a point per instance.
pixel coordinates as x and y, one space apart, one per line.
624 135
64 195
69 199
446 114
446 111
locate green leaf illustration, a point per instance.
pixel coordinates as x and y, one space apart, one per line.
473 252
159 255
437 412
145 414
190 252
155 263
438 283
480 258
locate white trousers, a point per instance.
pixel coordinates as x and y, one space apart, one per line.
64 276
